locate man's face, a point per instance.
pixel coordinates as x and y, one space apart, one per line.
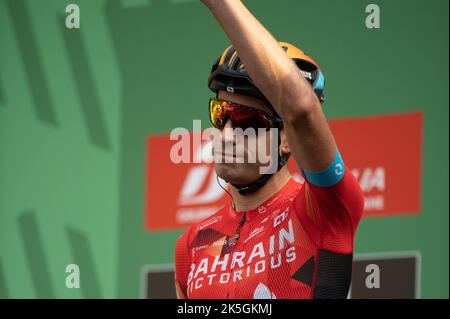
244 148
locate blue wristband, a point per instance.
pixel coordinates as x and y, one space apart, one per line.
329 176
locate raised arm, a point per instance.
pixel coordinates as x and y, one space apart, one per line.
278 78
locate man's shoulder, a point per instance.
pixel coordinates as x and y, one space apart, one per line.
216 218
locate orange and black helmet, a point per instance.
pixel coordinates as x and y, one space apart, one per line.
229 74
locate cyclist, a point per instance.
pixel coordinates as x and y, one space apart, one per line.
277 238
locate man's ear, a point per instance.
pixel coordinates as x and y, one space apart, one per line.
284 145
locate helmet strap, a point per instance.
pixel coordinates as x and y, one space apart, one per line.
262 180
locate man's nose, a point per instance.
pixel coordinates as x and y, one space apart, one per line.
227 133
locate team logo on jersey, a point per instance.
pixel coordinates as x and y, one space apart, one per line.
263 292
196 249
231 241
209 222
257 231
279 218
338 169
274 200
220 242
239 265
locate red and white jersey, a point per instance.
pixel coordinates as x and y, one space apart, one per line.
297 244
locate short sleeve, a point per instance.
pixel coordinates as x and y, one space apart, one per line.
331 214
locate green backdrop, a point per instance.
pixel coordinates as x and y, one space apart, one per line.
77 105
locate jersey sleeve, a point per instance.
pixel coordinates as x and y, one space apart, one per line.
331 210
182 264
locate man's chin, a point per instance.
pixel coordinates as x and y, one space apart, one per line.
233 173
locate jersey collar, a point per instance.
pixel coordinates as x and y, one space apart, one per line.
270 204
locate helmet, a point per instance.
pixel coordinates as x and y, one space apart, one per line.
229 74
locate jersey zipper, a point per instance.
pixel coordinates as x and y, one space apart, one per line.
237 235
241 223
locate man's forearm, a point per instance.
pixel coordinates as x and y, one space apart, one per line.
273 72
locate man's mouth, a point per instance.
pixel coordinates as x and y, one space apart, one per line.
229 157
227 154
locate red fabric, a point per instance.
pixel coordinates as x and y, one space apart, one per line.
281 236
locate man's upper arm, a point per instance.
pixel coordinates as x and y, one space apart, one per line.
308 134
182 264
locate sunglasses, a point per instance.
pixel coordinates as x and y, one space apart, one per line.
241 116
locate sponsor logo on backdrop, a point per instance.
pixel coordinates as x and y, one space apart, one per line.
383 152
372 181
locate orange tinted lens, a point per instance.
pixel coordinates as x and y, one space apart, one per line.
243 117
217 113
